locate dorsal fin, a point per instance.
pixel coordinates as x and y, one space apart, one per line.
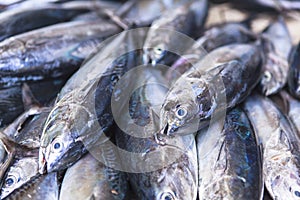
28 98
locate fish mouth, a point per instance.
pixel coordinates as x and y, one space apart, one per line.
168 129
42 163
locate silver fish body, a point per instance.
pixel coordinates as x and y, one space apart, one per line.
82 113
164 38
151 170
19 172
40 187
40 15
86 179
222 79
265 5
50 52
145 12
212 38
229 160
12 105
280 143
30 134
277 44
294 73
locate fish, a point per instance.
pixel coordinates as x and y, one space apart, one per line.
3 153
27 17
280 147
11 99
221 80
229 157
138 148
87 179
24 123
145 12
82 115
20 171
277 44
224 34
170 34
8 151
279 6
51 52
294 73
24 134
31 131
157 181
40 187
212 38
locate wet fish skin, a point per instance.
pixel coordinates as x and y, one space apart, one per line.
31 132
211 39
224 34
145 12
230 165
228 70
280 147
20 171
76 123
25 132
50 52
150 173
264 5
86 179
160 45
160 184
39 187
12 105
25 18
294 73
277 44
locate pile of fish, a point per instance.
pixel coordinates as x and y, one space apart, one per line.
148 100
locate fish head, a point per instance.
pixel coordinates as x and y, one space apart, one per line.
184 186
19 173
273 78
178 118
154 55
179 112
61 140
166 185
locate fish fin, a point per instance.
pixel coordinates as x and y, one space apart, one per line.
28 98
13 129
247 22
12 147
8 143
116 19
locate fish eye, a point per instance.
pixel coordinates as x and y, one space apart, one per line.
267 75
10 181
167 196
158 49
181 112
57 145
297 193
